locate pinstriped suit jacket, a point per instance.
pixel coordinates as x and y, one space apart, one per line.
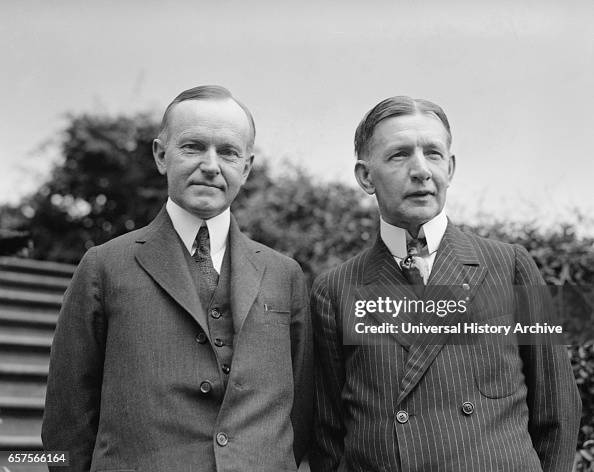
526 407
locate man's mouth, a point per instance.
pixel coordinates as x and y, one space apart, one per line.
420 193
203 184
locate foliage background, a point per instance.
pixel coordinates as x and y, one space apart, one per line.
106 184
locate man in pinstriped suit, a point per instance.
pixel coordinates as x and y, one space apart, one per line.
439 405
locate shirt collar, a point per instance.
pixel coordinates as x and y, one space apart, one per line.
187 225
395 238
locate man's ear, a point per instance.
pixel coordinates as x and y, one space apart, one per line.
159 156
451 168
363 177
249 162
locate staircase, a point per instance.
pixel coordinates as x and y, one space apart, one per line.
30 297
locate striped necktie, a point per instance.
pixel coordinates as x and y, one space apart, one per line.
202 257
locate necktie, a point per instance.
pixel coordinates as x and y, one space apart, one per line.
414 267
209 276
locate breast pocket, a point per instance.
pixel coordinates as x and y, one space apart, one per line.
276 314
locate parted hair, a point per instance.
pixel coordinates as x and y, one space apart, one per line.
400 105
206 92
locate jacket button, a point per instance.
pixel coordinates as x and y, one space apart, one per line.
226 369
466 286
201 337
402 417
468 408
222 439
215 313
205 387
219 342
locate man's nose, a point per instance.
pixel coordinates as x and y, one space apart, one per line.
419 169
209 164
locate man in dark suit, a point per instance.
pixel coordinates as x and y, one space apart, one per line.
402 403
184 345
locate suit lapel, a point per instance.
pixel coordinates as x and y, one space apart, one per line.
383 278
161 256
456 274
382 266
246 274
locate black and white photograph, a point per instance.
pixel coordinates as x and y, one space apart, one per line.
297 236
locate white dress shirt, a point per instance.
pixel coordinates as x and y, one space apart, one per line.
187 225
395 239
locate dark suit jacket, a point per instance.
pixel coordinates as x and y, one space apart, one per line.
126 368
440 405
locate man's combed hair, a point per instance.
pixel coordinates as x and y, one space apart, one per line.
392 107
205 92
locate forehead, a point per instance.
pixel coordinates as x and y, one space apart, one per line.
420 128
210 116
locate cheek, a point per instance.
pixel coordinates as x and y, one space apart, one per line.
391 184
174 178
182 169
441 172
233 177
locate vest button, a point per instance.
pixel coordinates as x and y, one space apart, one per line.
226 369
215 313
201 337
468 408
219 342
402 417
205 387
222 439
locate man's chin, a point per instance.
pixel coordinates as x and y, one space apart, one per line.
423 212
413 219
204 208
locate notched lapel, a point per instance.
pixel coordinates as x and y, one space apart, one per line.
383 278
456 275
246 274
160 255
457 271
381 267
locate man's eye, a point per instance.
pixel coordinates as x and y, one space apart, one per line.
434 155
192 147
229 153
398 155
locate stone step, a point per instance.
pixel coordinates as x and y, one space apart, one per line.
23 370
15 264
20 423
9 355
22 442
19 331
12 403
13 297
23 387
14 339
15 330
43 283
16 315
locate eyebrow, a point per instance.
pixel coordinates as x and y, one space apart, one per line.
434 142
409 145
225 140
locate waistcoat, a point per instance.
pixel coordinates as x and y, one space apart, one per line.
217 307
